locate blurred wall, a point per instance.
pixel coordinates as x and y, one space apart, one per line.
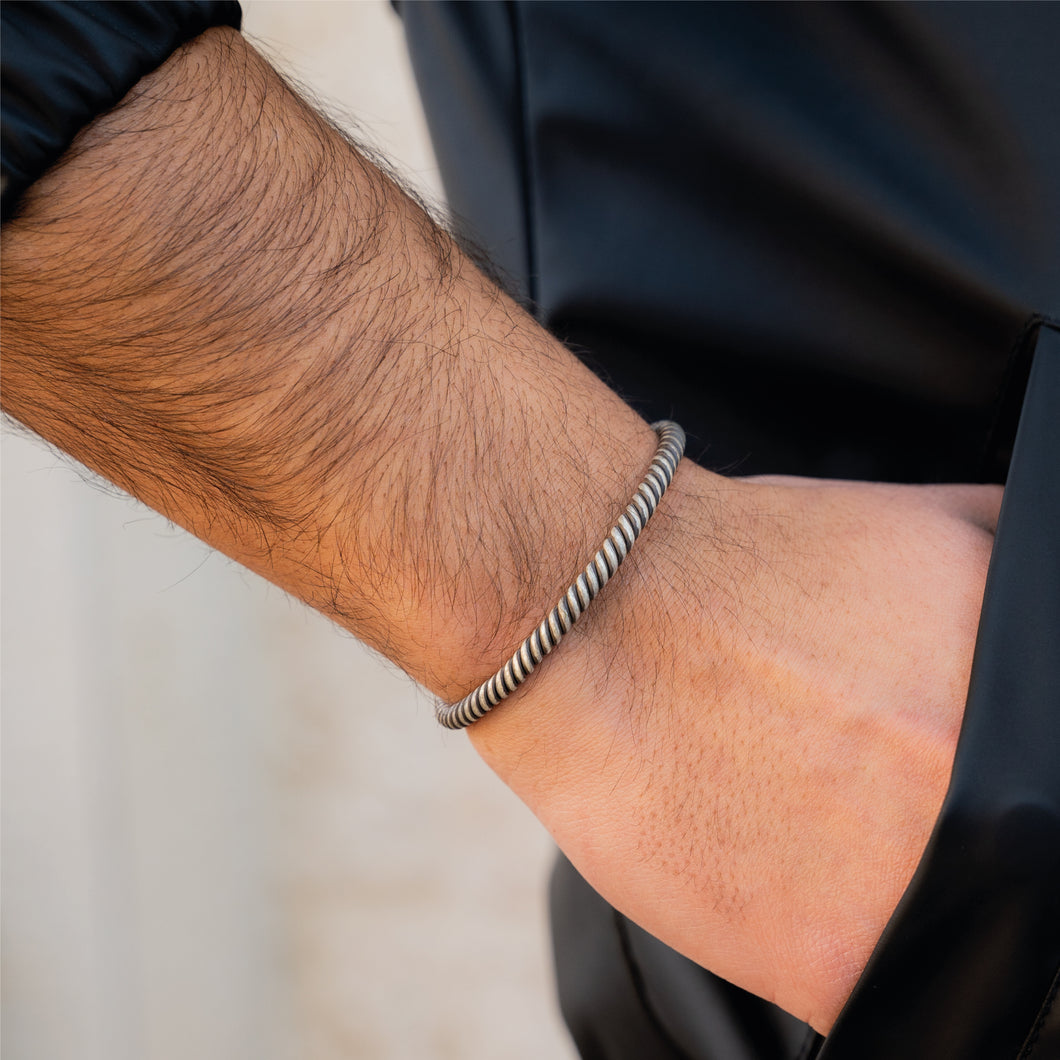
228 831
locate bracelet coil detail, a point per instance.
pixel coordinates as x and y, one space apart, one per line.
585 588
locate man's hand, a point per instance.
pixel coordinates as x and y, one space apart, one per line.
753 774
217 303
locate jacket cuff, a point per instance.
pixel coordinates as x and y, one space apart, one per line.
65 63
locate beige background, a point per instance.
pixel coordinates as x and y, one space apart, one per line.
229 832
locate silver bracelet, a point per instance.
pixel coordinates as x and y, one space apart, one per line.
575 601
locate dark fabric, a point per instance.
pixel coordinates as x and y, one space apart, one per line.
608 970
814 222
65 63
593 967
813 234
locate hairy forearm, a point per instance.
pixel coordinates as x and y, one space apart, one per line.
216 303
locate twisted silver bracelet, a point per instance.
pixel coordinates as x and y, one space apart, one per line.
582 592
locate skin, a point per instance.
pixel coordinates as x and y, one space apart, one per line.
217 303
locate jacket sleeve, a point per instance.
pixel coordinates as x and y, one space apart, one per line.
64 63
